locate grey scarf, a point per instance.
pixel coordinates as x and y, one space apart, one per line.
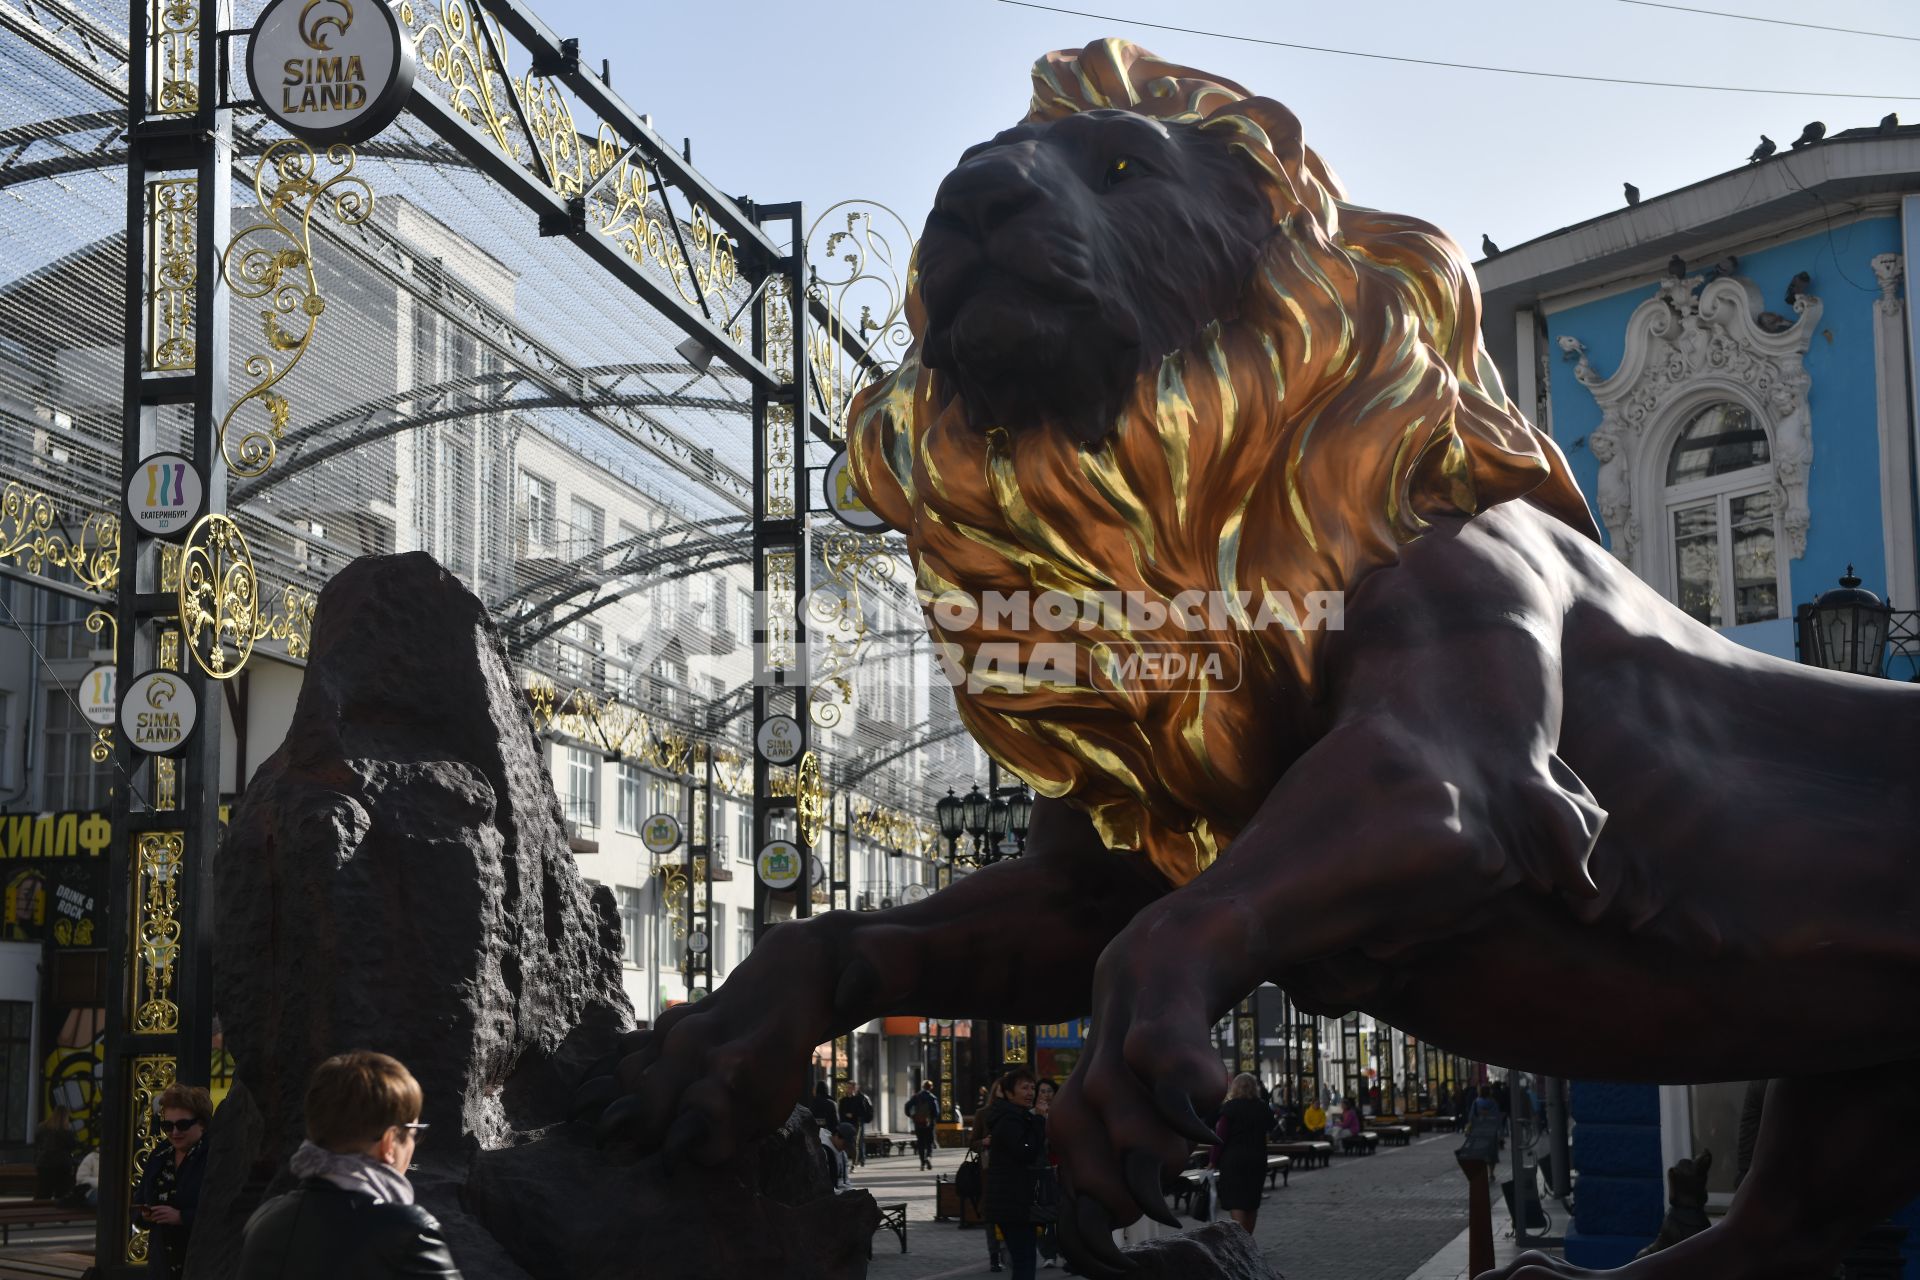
351 1172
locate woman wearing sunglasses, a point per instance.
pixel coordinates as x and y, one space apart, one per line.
168 1197
353 1213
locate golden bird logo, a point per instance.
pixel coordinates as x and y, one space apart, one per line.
317 15
162 692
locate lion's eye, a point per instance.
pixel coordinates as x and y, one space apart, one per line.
1121 169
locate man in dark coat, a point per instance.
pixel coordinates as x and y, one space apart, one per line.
1016 1149
856 1109
923 1111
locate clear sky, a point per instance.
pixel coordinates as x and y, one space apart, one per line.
823 100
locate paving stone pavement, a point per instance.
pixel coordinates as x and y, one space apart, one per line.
1380 1217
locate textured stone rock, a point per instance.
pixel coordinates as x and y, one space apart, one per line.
1217 1251
397 877
564 1215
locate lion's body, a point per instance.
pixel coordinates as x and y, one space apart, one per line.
1758 905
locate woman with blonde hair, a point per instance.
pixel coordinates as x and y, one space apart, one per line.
1241 1156
353 1213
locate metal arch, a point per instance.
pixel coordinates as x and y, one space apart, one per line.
953 729
679 561
652 539
366 426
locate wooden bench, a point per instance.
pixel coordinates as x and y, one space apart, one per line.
1315 1154
1398 1135
38 1213
893 1217
885 1144
1191 1181
1279 1167
1360 1144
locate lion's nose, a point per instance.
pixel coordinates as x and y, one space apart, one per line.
984 192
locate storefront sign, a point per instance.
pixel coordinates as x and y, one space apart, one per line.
778 864
660 833
99 698
1060 1035
331 70
844 501
163 495
158 712
780 740
54 835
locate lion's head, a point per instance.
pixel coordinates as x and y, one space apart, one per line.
1157 353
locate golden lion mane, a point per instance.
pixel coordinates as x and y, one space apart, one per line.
1290 449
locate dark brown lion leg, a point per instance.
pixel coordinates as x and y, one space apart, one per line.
1825 1168
1017 942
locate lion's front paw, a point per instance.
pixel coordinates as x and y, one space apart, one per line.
1130 1110
719 1073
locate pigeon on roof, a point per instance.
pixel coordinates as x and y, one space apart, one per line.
1487 246
1814 131
1766 148
1677 267
1797 286
1633 193
1889 122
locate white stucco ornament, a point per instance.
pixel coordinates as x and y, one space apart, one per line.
1688 346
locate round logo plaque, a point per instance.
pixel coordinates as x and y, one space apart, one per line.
158 713
331 70
780 739
163 495
660 833
844 501
99 702
778 864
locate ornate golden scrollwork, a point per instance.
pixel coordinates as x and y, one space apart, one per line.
29 538
778 304
272 259
783 652
891 829
218 598
173 40
621 731
837 611
173 273
733 772
856 263
98 621
291 620
159 866
151 1076
453 50
810 797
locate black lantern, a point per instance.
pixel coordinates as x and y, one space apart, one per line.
1020 814
950 812
1845 629
997 819
976 813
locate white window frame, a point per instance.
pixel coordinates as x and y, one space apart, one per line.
537 494
583 772
1724 489
628 818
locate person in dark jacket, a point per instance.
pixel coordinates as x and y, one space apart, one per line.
353 1213
1016 1148
923 1109
168 1197
856 1109
1241 1156
825 1114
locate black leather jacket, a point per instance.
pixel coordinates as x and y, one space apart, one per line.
320 1232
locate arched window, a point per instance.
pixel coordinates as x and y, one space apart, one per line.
1723 518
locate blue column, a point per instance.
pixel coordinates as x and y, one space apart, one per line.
1622 1192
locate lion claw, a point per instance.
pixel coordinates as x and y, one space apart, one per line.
686 1132
1092 1233
621 1115
594 1095
1176 1108
1143 1183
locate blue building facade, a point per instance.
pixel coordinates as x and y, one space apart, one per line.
1729 371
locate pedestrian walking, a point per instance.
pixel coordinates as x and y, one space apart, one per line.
1241 1156
923 1112
352 1213
168 1197
54 1144
856 1109
1017 1141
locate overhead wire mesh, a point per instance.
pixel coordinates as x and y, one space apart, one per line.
473 390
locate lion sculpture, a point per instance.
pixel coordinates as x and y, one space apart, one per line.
1171 385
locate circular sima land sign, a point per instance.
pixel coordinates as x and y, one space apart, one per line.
163 495
331 70
158 712
780 739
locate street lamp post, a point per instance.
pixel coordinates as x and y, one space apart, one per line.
1845 629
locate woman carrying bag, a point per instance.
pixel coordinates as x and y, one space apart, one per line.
1241 1157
